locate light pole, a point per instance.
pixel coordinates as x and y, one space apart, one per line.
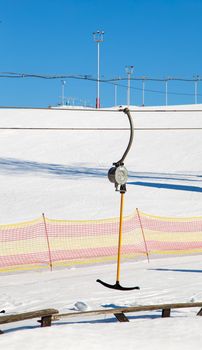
63 92
196 79
166 92
98 38
115 94
129 71
143 89
115 90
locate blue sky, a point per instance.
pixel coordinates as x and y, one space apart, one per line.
159 38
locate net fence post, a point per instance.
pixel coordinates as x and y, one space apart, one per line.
48 242
143 235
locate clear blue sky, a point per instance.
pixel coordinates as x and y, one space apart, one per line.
161 38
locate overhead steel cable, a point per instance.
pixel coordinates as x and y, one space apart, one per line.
151 90
91 109
106 81
96 129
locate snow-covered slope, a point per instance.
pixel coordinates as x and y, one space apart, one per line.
63 173
161 281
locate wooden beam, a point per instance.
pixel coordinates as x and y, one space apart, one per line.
131 309
166 312
45 321
121 317
28 315
199 313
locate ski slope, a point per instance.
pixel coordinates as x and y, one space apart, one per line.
63 173
160 281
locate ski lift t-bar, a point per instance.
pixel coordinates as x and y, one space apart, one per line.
118 174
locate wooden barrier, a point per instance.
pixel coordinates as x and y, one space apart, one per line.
119 313
49 315
46 317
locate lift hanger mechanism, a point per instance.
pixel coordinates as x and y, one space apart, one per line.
118 175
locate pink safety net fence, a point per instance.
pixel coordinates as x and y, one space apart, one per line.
48 243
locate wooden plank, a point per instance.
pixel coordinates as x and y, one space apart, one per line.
166 312
199 313
121 317
130 309
27 315
45 321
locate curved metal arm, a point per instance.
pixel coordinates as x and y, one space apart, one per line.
121 161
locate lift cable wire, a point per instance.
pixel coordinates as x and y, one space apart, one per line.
109 110
96 129
113 81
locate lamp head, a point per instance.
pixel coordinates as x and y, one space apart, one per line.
118 175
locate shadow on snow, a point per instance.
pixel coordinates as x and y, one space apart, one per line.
17 167
177 270
160 185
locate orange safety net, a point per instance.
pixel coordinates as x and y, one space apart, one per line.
49 243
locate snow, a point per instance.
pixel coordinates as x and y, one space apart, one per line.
160 281
64 175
